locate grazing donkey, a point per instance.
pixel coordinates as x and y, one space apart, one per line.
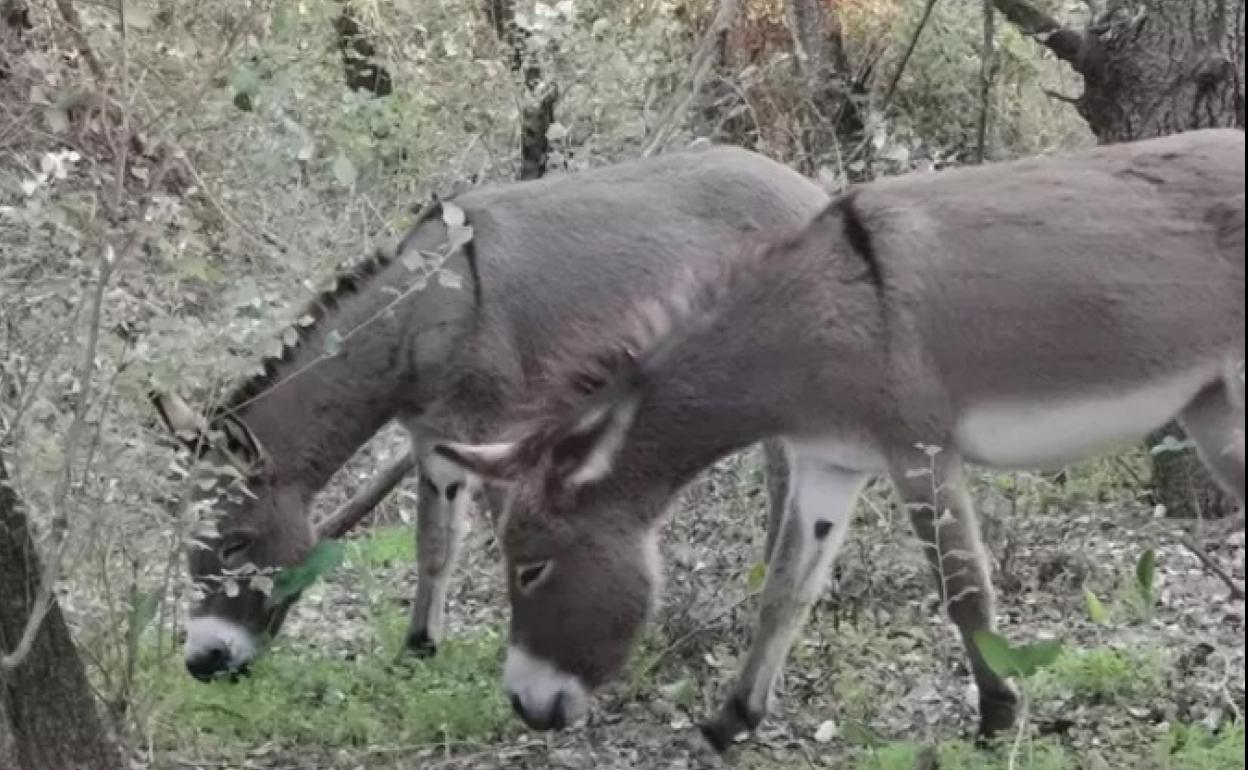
1022 314
545 258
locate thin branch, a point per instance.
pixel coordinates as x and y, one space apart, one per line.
1237 590
1065 43
699 67
350 513
70 14
987 73
905 58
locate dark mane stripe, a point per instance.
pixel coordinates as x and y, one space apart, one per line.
347 284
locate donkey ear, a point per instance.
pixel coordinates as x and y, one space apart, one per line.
245 450
499 463
178 416
587 452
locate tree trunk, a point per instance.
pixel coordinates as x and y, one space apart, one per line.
824 66
48 715
538 112
1152 69
359 56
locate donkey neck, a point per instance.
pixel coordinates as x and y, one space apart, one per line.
317 405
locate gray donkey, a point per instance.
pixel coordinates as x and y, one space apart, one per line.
545 259
1014 315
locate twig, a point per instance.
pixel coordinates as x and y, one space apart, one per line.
698 69
70 14
350 513
905 57
1237 591
987 73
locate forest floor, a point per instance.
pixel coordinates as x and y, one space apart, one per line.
877 680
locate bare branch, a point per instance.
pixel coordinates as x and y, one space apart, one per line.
1237 590
70 14
905 57
699 67
987 73
1066 43
350 513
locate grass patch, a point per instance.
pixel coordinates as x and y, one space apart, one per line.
1195 748
305 697
960 755
383 547
1103 675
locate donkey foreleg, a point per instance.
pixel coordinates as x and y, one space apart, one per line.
440 521
934 491
816 519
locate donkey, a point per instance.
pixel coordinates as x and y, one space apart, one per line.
1024 314
544 258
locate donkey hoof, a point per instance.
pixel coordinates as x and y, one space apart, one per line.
998 714
734 719
419 645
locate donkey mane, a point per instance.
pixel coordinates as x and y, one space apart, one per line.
587 368
346 283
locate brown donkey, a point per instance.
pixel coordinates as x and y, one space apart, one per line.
1022 314
545 258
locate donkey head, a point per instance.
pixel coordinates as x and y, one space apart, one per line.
253 528
581 550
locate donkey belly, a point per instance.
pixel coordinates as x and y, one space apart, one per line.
1039 432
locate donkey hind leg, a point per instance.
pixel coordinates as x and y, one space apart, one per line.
1214 420
934 492
817 514
440 520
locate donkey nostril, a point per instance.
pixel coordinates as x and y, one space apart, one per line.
558 718
209 663
516 705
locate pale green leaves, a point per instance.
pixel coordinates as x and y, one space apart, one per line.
333 343
292 581
1096 609
344 170
1008 661
458 231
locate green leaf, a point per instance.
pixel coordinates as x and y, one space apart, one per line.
997 653
333 343
757 575
142 612
292 581
1096 610
1146 576
1007 661
344 171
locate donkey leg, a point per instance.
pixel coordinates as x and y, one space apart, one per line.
440 520
776 464
1215 422
817 514
945 522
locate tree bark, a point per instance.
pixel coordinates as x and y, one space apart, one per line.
538 112
359 62
1152 69
48 716
824 66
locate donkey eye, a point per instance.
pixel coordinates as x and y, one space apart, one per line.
529 575
452 490
233 548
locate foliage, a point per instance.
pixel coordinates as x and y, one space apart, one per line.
297 696
1103 675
